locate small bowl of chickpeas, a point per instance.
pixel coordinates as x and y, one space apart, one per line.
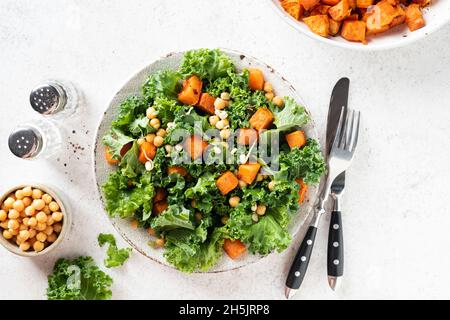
33 220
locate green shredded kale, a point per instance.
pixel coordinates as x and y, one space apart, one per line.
115 257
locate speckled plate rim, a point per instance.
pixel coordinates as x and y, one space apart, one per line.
297 221
421 33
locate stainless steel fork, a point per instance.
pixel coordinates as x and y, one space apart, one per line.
339 159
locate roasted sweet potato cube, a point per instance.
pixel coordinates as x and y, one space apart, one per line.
422 3
308 4
191 91
379 17
320 9
256 79
296 139
206 103
340 11
399 18
247 136
248 172
414 17
177 169
319 24
352 4
227 182
261 119
352 17
354 31
293 8
195 146
160 195
234 248
330 2
159 207
302 191
334 27
364 3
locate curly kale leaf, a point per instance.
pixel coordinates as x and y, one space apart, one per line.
161 84
115 257
206 64
292 115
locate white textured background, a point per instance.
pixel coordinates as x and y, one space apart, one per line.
396 212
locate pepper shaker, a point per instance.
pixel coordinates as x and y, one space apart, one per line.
54 98
40 139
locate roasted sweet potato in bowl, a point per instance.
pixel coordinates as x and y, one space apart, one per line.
380 24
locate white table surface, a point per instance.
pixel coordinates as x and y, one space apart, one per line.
396 212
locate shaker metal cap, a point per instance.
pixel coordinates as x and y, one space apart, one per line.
48 98
25 142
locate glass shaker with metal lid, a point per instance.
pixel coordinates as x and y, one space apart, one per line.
40 139
55 98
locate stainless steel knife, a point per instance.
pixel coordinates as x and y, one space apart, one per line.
335 254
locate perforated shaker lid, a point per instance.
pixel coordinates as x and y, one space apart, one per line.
25 142
48 98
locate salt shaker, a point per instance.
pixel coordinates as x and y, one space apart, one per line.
54 98
39 139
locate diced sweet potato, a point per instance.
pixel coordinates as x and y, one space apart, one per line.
352 17
234 248
340 11
354 31
177 169
320 9
334 27
206 103
256 79
159 207
247 136
248 172
195 146
227 182
147 151
308 4
108 157
379 17
191 91
262 118
319 24
399 18
302 191
352 4
160 195
422 3
364 3
293 8
414 17
296 139
330 2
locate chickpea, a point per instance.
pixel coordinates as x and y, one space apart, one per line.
155 123
271 185
14 232
225 133
38 204
150 137
47 210
151 231
49 230
19 194
30 211
268 87
220 104
213 120
198 216
9 202
261 210
224 219
159 141
24 234
220 124
7 234
18 205
151 113
27 201
47 198
36 194
4 224
54 206
32 233
51 238
269 96
242 184
3 215
41 236
161 132
50 220
32 222
38 246
23 227
255 217
168 148
24 246
19 241
225 122
13 224
259 177
159 243
225 96
140 141
278 101
40 226
27 191
57 227
41 217
234 201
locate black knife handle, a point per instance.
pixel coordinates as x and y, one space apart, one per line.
301 260
335 255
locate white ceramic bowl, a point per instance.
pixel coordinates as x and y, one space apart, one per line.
138 239
66 222
436 16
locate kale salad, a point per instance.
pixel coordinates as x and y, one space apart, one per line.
208 159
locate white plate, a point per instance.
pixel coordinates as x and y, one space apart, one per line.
436 15
138 239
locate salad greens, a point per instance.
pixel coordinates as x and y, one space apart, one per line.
115 257
178 199
78 279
